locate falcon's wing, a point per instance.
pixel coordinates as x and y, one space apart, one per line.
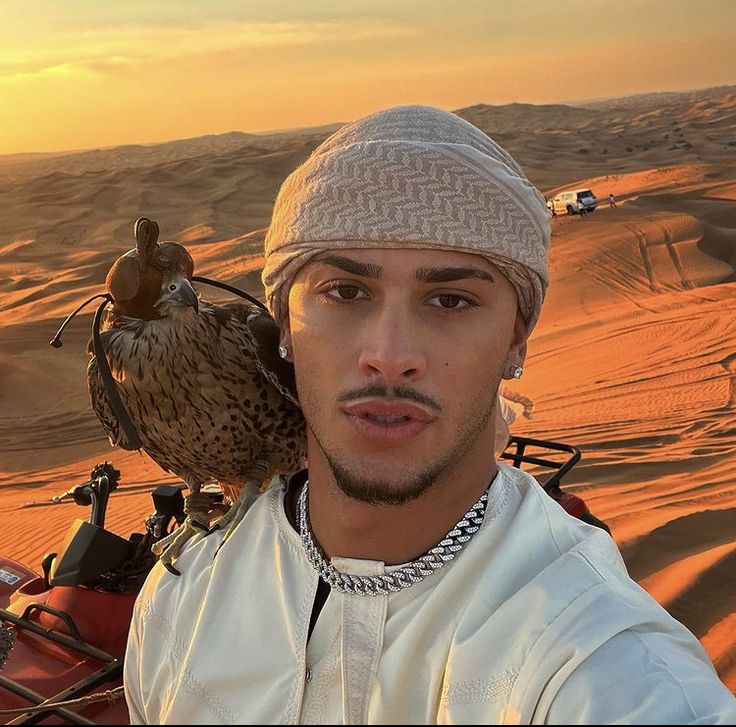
102 408
264 336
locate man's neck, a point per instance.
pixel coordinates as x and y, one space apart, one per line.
394 534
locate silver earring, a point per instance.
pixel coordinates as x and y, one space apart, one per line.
283 351
517 371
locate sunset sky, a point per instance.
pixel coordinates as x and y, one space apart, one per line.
80 74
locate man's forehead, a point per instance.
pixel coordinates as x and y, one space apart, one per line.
410 259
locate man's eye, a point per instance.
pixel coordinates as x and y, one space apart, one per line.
448 301
344 292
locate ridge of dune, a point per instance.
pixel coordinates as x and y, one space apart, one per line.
718 642
674 580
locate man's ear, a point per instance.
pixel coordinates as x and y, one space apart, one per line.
519 340
517 349
285 334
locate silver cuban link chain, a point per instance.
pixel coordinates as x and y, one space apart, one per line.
403 577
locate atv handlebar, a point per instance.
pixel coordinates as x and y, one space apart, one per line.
103 479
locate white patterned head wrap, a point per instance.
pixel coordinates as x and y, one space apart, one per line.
410 177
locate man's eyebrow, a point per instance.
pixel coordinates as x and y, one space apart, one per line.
445 275
349 265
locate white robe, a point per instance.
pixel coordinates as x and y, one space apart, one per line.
535 622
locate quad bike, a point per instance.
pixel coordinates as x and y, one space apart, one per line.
63 633
71 622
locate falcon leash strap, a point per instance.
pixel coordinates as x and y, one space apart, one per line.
109 382
230 289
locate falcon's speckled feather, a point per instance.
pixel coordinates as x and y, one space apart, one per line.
203 383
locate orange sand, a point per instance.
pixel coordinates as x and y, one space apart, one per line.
634 359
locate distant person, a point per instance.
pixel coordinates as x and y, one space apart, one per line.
550 206
581 209
506 415
407 577
612 200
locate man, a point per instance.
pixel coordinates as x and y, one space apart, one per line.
407 577
612 200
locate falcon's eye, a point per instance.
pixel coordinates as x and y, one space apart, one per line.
172 287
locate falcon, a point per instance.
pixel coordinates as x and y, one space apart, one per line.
203 384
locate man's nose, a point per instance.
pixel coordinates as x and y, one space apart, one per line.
391 350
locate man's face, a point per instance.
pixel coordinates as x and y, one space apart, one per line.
398 356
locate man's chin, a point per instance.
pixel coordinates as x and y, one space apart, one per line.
381 492
376 483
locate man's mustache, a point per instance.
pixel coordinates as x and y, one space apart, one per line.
389 392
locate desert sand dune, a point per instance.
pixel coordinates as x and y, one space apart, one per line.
634 358
635 361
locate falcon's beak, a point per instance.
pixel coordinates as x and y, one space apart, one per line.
187 295
179 291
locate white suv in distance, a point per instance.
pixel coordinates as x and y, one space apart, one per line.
567 202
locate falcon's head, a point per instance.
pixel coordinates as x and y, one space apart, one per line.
154 279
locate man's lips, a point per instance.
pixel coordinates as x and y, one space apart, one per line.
386 409
388 423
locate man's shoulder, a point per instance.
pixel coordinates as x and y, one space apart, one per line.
543 556
563 575
554 598
548 532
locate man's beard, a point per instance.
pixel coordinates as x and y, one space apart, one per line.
356 485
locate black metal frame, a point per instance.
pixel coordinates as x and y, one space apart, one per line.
112 669
519 456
